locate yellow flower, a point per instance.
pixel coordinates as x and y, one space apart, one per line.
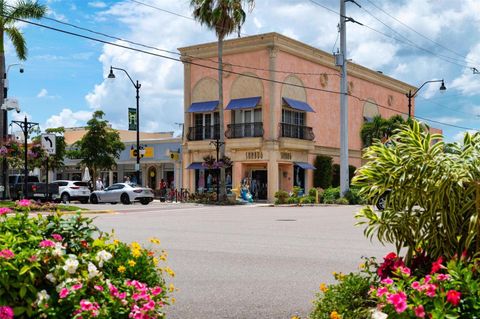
163 257
171 288
121 269
173 300
361 266
335 315
295 317
132 263
155 260
323 287
169 271
135 246
116 242
154 240
136 253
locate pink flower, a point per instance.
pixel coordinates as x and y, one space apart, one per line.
416 285
149 305
97 287
5 210
387 281
399 301
57 237
113 290
443 277
428 278
6 254
437 265
430 290
63 293
24 202
156 290
382 291
404 270
46 243
6 312
453 297
77 287
33 258
419 311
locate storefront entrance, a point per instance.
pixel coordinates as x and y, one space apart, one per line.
259 184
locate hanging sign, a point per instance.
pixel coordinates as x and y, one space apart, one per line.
132 119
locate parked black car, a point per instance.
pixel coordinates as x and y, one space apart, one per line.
35 189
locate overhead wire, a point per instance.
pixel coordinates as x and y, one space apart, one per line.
216 68
442 57
420 34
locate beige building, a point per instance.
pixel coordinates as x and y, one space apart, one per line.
281 110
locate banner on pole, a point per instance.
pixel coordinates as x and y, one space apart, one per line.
132 119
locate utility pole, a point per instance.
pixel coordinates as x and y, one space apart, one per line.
344 180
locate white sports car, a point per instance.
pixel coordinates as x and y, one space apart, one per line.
124 193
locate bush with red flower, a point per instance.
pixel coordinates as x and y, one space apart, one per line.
56 267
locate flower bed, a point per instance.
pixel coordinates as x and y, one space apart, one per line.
55 267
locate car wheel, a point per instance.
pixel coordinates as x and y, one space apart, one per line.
94 199
84 201
113 203
65 197
125 199
145 201
382 201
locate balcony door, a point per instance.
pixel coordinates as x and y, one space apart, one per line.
245 120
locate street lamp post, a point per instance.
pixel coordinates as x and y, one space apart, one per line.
411 95
217 143
5 128
26 127
137 88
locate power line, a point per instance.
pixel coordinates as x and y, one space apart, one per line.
445 58
420 34
178 54
215 68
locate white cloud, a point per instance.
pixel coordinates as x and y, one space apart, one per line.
460 135
97 4
42 93
68 118
448 120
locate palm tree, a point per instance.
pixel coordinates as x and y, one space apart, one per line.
373 130
225 17
22 9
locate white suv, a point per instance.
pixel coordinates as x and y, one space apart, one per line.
73 190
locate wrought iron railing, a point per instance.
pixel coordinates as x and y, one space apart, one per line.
200 133
242 130
296 131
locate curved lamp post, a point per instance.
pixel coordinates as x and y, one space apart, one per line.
137 86
411 95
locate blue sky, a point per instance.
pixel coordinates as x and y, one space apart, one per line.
64 79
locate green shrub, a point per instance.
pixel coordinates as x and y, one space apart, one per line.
307 200
322 176
336 174
296 191
348 298
292 200
353 196
50 265
281 197
330 195
313 192
341 201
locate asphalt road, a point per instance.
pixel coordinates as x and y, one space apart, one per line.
244 261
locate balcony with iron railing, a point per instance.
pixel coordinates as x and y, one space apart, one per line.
244 130
296 131
200 133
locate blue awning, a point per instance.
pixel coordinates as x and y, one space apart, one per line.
305 165
195 165
244 103
203 107
298 105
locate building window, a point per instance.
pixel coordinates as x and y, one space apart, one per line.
293 125
206 126
246 123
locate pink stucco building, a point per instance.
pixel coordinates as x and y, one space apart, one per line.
280 112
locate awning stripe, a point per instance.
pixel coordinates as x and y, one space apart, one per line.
305 165
195 165
243 103
198 107
298 105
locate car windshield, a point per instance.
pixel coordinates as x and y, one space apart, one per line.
132 185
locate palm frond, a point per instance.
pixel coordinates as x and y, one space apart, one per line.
23 9
18 41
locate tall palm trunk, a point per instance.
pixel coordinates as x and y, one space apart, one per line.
223 189
3 116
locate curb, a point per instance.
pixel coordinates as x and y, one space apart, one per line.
83 212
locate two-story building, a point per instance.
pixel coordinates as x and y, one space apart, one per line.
281 110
